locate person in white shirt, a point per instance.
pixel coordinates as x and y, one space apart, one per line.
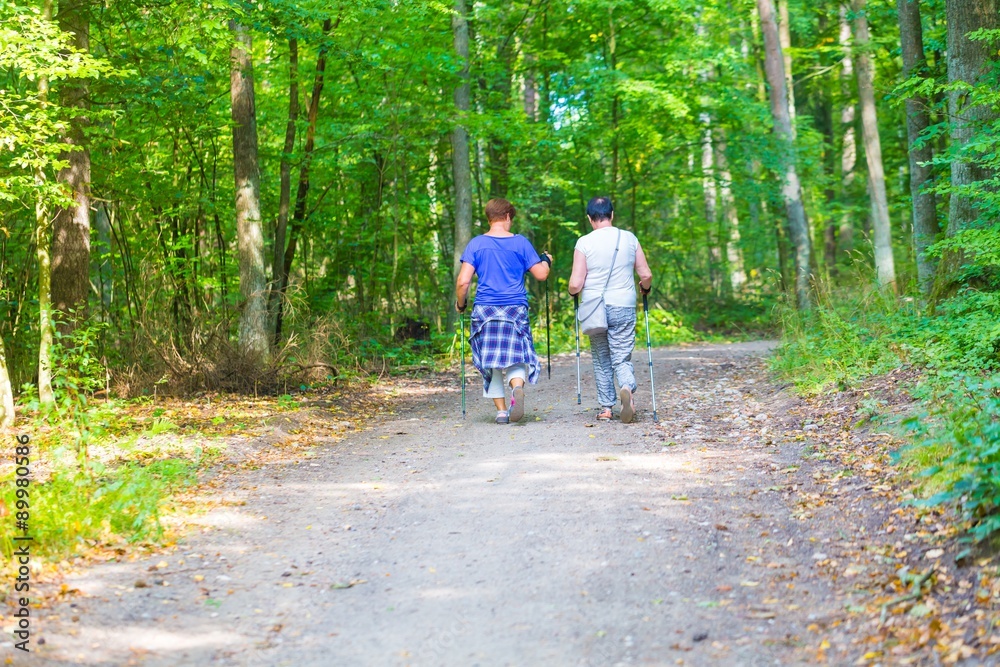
592 263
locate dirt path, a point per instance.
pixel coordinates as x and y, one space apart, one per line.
426 540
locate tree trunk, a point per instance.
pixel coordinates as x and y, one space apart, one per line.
711 201
731 228
253 339
105 276
785 34
774 67
71 228
885 267
279 278
925 222
6 393
849 147
43 239
461 172
967 62
302 192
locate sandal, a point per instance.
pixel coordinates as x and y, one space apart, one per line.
604 415
517 404
628 407
502 417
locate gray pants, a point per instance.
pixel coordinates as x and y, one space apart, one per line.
612 352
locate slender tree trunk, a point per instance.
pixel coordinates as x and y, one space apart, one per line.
791 189
6 394
967 63
785 34
885 266
849 146
711 200
104 270
461 171
731 218
43 239
530 85
253 338
302 191
71 228
278 276
925 222
613 62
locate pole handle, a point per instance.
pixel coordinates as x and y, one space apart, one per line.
576 302
645 301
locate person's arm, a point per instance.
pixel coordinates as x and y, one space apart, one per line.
579 275
642 268
540 271
462 286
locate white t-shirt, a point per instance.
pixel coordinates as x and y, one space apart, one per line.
598 247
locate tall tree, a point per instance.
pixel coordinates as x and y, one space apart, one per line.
967 62
279 278
43 238
461 169
253 338
925 222
785 33
791 189
885 266
302 191
844 236
731 218
71 227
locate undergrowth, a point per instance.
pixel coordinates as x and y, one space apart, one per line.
954 450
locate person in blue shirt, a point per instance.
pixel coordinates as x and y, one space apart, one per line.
500 335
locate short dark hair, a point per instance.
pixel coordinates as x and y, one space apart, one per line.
498 209
600 208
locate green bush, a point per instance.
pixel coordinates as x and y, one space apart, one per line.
76 505
963 426
956 437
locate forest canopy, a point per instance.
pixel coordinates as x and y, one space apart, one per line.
202 193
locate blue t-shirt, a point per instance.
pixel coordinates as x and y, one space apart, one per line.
501 263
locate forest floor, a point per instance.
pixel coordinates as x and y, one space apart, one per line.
748 527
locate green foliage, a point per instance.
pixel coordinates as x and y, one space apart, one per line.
80 507
956 436
963 426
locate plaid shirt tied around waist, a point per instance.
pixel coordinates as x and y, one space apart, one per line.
501 337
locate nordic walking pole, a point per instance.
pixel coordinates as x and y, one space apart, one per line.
649 352
548 331
462 316
576 323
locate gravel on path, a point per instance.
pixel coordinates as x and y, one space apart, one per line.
428 540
